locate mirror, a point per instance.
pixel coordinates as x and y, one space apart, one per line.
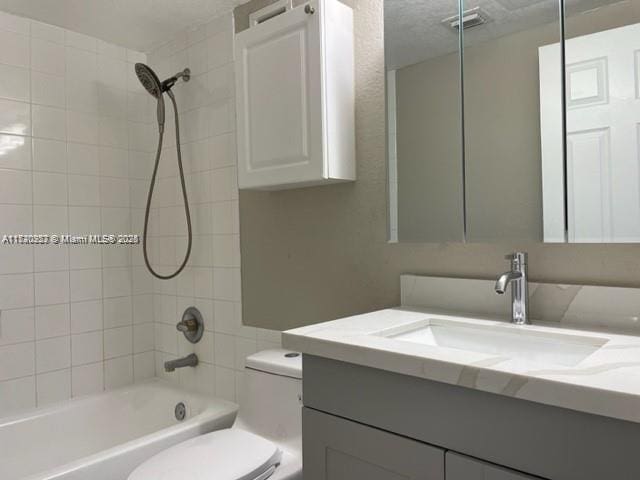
424 122
521 149
502 124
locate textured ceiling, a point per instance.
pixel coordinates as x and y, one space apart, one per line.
136 24
414 30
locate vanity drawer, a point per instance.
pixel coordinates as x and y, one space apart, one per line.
461 467
338 449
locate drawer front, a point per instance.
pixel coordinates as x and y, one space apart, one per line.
461 467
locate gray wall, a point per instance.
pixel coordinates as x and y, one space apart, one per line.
316 254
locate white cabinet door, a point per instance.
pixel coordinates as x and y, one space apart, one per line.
279 98
603 127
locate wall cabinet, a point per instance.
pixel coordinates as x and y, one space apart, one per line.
295 98
337 449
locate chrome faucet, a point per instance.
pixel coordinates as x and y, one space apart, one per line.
517 277
188 361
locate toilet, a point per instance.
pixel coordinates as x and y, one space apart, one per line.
265 441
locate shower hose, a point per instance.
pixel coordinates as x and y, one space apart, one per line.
184 196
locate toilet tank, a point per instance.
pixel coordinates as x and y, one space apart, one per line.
271 397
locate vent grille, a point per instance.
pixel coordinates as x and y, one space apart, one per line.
518 4
470 18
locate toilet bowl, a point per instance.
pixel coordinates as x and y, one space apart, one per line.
265 441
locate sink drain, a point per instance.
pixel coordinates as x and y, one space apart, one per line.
180 411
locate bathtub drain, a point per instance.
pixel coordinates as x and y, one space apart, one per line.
180 411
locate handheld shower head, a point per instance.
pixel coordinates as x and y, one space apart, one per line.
149 79
152 84
156 88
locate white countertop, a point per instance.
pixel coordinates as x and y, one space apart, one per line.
605 383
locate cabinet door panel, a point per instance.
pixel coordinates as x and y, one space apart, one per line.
460 467
338 449
279 97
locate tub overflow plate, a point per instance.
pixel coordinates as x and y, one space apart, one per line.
180 411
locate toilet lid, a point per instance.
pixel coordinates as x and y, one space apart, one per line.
230 454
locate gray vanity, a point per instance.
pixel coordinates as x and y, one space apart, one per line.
365 423
389 395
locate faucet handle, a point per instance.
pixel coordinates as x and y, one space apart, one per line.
187 325
191 325
519 258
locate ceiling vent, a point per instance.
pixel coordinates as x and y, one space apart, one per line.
470 18
518 4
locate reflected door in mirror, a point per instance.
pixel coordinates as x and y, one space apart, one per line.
602 132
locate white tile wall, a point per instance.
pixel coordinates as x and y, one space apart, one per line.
67 105
212 278
77 142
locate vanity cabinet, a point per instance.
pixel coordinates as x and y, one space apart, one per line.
362 423
295 98
338 449
461 467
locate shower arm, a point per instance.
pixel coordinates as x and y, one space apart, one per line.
171 81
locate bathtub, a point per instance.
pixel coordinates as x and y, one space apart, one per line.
105 436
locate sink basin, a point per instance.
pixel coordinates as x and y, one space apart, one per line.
520 344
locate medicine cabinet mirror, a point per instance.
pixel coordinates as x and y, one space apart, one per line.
513 120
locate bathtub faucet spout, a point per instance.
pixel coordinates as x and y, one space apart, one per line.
188 361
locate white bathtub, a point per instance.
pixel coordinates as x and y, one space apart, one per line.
105 436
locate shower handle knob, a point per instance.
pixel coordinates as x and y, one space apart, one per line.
188 325
191 325
309 9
